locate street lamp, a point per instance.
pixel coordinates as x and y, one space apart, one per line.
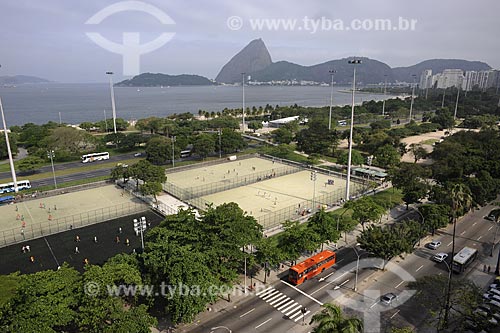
412 95
112 98
357 267
219 131
314 175
173 151
51 155
243 110
9 152
348 179
456 104
331 100
385 92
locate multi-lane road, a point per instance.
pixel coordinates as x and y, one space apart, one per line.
283 307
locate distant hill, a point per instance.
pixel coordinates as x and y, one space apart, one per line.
156 80
21 79
437 66
254 57
255 61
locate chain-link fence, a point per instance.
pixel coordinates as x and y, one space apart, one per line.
40 229
308 207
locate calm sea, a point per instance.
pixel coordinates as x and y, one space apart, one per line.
88 102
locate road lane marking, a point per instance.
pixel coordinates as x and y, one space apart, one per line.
463 232
287 303
256 327
400 283
473 224
394 315
490 228
243 315
270 294
419 268
279 299
266 293
291 306
371 306
479 237
283 301
293 310
263 291
450 243
326 277
295 314
303 293
300 317
329 283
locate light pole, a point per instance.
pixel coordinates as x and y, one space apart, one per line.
60 121
412 96
494 236
112 99
385 92
243 110
140 227
357 267
9 152
421 224
105 122
173 151
456 104
51 155
219 131
245 255
444 94
331 100
313 178
348 179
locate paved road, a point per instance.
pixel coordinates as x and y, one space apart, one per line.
278 309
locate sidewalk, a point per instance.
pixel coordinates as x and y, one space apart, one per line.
223 305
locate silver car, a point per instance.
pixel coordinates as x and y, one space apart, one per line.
387 299
434 245
440 257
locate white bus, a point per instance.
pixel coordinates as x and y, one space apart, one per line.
463 259
95 157
9 187
185 153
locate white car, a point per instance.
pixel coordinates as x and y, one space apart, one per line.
387 299
440 257
434 245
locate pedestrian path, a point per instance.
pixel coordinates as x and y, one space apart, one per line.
284 304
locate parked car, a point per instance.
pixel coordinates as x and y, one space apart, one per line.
440 257
387 299
434 245
137 154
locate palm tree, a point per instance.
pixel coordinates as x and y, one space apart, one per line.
331 319
461 202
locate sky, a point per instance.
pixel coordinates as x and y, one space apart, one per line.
48 38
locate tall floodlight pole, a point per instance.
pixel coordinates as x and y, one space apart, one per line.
331 100
456 104
412 96
105 121
348 180
112 98
60 122
9 152
51 155
385 93
444 94
219 131
173 151
243 99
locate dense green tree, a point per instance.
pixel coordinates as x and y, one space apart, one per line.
158 150
203 145
365 210
356 157
145 172
387 156
435 216
316 138
255 125
331 319
151 188
283 136
418 151
325 227
30 164
296 239
231 141
268 255
444 118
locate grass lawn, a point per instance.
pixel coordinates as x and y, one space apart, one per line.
429 141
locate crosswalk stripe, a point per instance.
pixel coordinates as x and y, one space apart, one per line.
270 294
274 297
263 291
278 300
300 317
281 302
285 305
293 310
291 306
266 292
296 313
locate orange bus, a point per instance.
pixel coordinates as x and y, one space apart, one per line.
311 267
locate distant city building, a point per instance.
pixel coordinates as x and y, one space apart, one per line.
426 79
481 80
450 78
